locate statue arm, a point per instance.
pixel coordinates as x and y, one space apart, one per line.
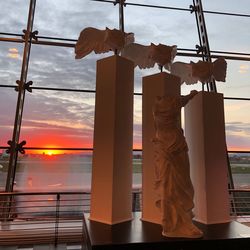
185 99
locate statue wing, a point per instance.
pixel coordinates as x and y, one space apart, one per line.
139 54
184 71
202 70
163 54
220 69
91 39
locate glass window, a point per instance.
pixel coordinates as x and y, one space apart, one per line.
228 33
58 119
137 140
52 170
237 121
10 62
161 26
226 6
8 99
57 67
240 167
14 15
65 19
237 80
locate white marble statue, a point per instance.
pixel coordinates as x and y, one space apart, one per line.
146 56
202 71
101 41
173 185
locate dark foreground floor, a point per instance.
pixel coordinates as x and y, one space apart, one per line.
138 235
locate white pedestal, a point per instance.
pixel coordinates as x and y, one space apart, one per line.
205 135
111 192
153 86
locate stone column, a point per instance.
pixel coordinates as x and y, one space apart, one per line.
205 135
111 192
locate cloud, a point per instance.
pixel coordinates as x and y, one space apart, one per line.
243 69
238 128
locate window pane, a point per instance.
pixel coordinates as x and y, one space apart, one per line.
237 120
4 162
237 80
228 33
8 98
10 62
14 14
58 119
137 139
52 170
66 19
227 6
240 167
57 67
161 26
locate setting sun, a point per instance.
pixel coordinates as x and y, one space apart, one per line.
51 152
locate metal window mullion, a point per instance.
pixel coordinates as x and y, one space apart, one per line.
20 100
121 15
202 31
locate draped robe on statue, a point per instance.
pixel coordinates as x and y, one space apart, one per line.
173 185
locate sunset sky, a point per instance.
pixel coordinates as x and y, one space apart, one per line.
65 119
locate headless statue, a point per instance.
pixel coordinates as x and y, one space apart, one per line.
173 184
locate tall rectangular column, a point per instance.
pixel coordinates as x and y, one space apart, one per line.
154 85
111 192
205 135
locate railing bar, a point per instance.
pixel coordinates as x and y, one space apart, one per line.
243 207
242 212
29 229
33 206
76 200
41 193
15 223
37 202
239 190
238 199
76 205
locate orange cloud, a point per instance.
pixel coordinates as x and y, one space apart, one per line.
244 68
13 53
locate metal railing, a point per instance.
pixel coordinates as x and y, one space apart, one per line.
59 217
240 203
47 217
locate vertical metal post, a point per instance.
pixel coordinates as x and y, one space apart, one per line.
58 197
121 14
86 244
20 99
204 44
